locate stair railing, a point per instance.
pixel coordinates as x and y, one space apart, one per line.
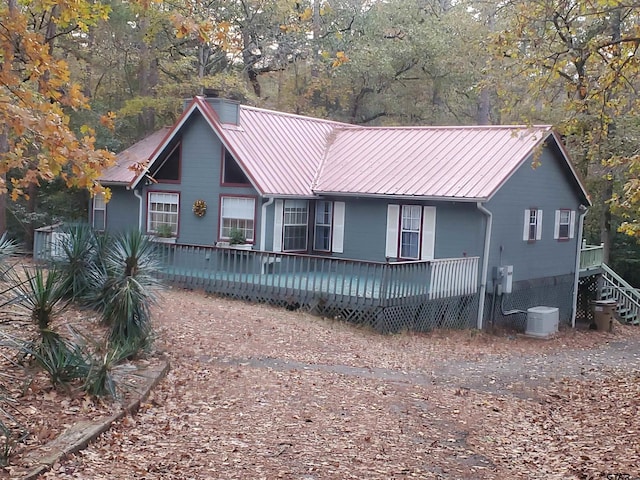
628 298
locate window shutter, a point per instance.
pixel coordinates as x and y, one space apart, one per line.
393 217
572 224
556 226
428 233
525 232
278 213
337 240
539 225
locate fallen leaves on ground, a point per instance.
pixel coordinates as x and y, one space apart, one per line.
259 392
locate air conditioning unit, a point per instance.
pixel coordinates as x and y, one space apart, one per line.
542 321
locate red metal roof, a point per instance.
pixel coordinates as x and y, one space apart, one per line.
282 152
139 152
292 155
440 162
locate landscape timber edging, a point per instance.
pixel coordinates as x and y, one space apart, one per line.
81 434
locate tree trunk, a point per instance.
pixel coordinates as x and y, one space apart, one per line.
606 235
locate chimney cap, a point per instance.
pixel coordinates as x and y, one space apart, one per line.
211 92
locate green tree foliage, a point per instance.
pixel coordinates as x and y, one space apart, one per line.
575 64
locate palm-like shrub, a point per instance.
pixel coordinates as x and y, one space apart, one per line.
129 289
43 293
81 256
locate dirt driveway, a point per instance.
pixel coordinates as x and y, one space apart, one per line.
260 393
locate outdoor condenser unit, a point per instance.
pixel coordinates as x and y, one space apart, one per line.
542 321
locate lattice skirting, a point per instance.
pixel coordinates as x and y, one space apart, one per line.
587 293
414 315
550 292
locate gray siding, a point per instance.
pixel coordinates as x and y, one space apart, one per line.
200 179
459 229
547 187
122 210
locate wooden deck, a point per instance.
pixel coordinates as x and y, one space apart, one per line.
309 279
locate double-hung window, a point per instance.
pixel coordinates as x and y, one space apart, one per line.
294 225
99 217
323 226
162 213
532 225
410 231
564 228
237 217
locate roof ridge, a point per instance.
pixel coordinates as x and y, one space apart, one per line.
449 127
294 115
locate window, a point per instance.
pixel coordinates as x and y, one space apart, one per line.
99 217
323 226
169 170
231 171
237 214
564 225
410 231
295 221
532 225
162 213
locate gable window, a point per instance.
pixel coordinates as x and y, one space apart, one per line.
231 171
411 232
99 217
564 224
294 225
162 213
169 170
532 225
237 214
323 226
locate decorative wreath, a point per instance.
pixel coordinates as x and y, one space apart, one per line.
199 208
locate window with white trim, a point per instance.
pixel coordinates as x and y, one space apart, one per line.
237 214
532 225
323 226
162 213
410 231
564 228
99 216
294 225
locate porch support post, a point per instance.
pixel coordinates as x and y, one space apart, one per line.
263 224
485 263
576 278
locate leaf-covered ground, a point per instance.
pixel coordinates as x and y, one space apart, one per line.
257 392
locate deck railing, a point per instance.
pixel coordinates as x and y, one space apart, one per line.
302 279
591 256
313 278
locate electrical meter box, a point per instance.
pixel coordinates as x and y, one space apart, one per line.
504 277
542 321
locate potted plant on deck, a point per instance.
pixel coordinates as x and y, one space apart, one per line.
238 240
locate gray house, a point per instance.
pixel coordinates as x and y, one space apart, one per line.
399 227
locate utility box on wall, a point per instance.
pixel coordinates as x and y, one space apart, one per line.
542 321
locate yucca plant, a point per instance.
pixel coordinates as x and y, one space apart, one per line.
43 293
61 359
129 289
77 259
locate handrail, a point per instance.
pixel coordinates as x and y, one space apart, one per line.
591 256
617 277
625 295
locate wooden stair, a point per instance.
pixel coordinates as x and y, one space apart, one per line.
626 297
